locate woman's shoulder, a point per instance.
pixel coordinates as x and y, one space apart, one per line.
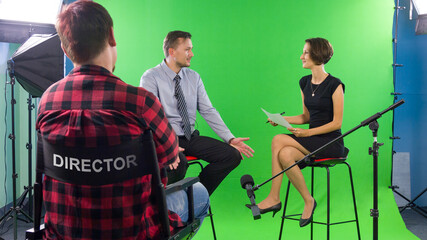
304 80
333 78
335 82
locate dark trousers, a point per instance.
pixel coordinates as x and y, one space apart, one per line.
222 159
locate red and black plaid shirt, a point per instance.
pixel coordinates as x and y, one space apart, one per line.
92 107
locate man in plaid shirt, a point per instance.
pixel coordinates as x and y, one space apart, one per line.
92 107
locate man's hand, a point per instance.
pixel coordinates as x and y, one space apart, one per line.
239 144
175 164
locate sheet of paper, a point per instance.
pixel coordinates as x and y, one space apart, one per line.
277 118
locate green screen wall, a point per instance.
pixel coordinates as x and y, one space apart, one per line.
247 53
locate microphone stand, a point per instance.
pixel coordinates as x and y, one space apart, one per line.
373 125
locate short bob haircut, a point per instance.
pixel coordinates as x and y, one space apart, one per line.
321 50
84 28
171 40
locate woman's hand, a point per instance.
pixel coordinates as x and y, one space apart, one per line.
272 123
299 132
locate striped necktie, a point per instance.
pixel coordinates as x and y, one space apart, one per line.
182 108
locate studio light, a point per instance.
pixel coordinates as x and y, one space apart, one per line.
38 63
420 6
20 19
41 11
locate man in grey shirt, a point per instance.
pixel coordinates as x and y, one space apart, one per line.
182 94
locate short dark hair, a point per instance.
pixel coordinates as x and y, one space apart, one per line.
171 40
84 28
321 50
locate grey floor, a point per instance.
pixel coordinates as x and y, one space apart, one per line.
416 223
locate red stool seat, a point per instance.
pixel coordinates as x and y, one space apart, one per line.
191 158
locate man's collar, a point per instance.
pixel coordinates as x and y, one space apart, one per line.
169 72
91 70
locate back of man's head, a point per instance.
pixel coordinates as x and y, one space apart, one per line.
171 40
84 27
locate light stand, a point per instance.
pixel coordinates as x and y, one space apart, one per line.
16 208
374 152
371 121
28 190
30 154
36 65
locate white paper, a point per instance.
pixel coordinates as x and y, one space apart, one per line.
277 118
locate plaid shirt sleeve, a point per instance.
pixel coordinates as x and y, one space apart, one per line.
166 140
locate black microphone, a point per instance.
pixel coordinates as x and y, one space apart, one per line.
247 182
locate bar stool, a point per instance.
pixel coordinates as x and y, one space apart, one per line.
324 163
194 160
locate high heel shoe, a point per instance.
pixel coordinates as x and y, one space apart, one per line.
304 222
274 208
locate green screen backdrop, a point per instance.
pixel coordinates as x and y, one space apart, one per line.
247 53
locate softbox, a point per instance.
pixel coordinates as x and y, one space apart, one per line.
38 63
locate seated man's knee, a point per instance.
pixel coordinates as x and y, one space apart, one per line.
235 157
178 202
201 200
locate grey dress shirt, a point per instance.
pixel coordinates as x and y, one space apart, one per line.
160 81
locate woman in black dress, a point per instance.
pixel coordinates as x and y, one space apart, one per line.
323 104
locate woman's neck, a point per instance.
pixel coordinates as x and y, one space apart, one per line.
318 74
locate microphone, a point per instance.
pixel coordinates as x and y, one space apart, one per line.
247 182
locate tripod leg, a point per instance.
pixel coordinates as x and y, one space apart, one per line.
20 208
419 211
412 205
29 219
6 216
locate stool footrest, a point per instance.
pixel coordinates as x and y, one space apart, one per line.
291 217
287 216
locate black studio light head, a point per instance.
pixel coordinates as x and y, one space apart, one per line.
38 63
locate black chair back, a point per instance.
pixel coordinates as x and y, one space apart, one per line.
95 166
99 166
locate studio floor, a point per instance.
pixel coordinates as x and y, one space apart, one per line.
415 223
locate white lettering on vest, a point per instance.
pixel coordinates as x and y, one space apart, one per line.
97 165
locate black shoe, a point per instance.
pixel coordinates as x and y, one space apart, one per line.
305 222
274 208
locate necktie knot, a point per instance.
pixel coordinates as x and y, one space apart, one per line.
177 78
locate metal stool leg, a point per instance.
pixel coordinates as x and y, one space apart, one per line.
328 221
312 194
210 210
284 210
354 199
212 222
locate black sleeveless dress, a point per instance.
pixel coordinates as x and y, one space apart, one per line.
320 107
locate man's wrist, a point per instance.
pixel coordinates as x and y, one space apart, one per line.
231 139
